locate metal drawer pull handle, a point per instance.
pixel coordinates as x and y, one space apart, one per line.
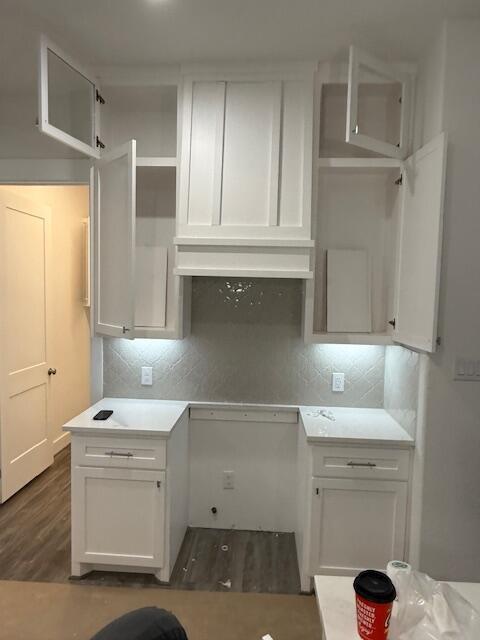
370 465
119 454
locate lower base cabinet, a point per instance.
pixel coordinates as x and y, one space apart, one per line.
352 507
129 501
119 516
356 524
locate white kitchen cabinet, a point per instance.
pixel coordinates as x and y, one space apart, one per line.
388 208
420 246
114 229
137 295
368 76
356 524
352 506
69 99
118 516
245 184
135 292
129 490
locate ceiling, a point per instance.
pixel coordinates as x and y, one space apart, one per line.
149 32
136 33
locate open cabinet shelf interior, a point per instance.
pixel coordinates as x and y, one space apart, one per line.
377 214
356 211
147 114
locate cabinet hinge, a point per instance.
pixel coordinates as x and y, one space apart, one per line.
317 491
125 329
438 341
100 143
98 97
392 322
399 181
400 100
159 484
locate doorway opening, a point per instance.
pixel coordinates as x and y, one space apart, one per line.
45 325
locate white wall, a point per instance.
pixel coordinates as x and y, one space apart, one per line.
263 456
450 532
430 91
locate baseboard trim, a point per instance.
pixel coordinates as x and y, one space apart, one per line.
61 442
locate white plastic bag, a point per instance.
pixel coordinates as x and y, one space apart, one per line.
430 610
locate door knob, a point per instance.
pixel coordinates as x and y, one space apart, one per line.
51 372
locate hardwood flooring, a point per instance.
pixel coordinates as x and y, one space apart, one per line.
231 560
35 546
35 527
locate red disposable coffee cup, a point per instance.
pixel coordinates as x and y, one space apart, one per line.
375 594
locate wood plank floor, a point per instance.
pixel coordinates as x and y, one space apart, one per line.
35 527
230 560
35 546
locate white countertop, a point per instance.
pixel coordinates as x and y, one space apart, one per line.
148 417
353 426
130 417
336 604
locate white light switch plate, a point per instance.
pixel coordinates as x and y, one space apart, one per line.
467 369
338 382
147 376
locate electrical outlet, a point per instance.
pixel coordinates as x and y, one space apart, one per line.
147 376
229 479
338 382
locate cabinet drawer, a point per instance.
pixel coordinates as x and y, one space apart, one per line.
131 453
360 462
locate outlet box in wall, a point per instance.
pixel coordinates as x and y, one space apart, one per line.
147 376
229 480
338 382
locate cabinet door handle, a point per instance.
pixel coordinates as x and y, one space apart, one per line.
159 484
370 465
52 371
119 454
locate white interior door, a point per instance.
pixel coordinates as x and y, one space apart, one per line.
115 179
420 245
68 99
25 445
366 77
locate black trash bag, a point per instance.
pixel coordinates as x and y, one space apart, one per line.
148 623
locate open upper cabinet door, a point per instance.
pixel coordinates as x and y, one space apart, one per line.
370 81
68 100
115 176
420 245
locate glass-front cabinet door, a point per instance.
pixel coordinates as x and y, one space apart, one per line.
378 106
68 101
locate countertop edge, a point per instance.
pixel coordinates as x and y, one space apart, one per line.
374 442
125 432
405 443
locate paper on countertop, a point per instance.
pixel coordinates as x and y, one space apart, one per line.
316 413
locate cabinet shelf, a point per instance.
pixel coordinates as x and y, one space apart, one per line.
157 162
350 338
359 163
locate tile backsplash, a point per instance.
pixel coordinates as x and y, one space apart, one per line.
401 386
245 346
